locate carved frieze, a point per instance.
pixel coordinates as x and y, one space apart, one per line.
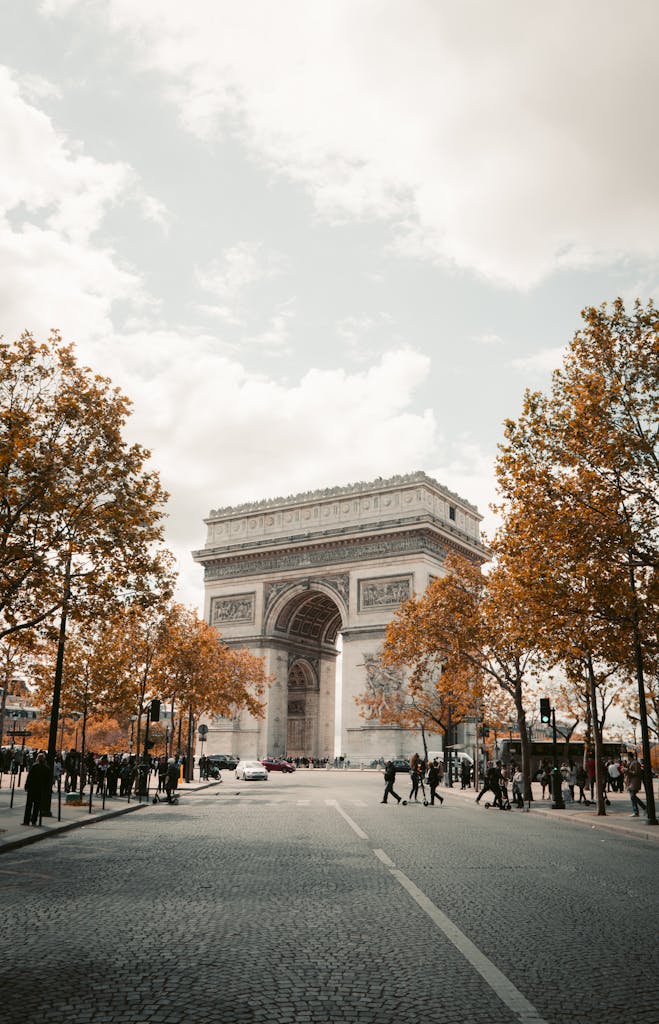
382 680
385 592
236 608
399 544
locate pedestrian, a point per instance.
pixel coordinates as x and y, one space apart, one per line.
571 778
491 784
171 782
581 778
435 775
613 772
634 780
162 773
465 775
504 801
389 778
545 779
37 787
591 773
414 777
518 787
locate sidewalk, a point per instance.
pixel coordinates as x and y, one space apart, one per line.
618 817
14 834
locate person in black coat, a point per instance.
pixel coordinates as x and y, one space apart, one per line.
389 778
434 779
37 787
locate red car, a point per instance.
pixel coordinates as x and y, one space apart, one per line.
275 764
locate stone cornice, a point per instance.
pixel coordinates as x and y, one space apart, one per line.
450 535
362 549
361 487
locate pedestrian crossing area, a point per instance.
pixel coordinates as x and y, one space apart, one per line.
236 796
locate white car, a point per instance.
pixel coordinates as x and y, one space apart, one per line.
251 771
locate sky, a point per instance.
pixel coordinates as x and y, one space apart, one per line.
323 241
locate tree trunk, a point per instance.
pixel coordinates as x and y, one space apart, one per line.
597 736
525 744
642 708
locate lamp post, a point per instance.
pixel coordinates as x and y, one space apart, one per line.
103 499
59 668
556 777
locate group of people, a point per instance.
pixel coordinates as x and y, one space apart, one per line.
420 774
617 775
505 784
112 775
497 779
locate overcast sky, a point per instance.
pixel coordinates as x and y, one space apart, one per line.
321 241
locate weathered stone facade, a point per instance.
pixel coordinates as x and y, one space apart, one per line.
290 578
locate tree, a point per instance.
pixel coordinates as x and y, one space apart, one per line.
468 622
429 698
14 651
79 512
579 475
202 675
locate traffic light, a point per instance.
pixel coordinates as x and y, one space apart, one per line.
154 715
545 710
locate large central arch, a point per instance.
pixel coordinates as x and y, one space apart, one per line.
305 622
311 582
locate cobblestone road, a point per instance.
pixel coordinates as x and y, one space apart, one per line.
303 899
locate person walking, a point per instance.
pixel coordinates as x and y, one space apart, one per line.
171 782
518 787
414 777
37 787
435 775
633 779
581 778
389 779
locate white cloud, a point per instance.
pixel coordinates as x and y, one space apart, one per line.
53 200
469 471
540 364
488 338
511 139
229 279
221 435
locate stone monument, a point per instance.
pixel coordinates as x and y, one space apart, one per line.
309 583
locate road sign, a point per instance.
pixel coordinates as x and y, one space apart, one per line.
203 729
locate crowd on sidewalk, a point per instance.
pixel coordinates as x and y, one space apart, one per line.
505 784
110 775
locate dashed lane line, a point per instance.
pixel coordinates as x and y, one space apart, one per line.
498 982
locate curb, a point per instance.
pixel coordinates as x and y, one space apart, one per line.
36 837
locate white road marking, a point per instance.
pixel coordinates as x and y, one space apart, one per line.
497 981
353 824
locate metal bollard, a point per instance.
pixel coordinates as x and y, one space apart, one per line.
59 799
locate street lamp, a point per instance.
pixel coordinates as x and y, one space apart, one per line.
102 500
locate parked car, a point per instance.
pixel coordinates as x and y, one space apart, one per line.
225 762
251 771
401 764
277 764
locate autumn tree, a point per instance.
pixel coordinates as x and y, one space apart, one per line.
468 622
202 675
579 473
79 511
435 692
15 649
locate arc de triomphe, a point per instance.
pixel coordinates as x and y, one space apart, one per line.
310 582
